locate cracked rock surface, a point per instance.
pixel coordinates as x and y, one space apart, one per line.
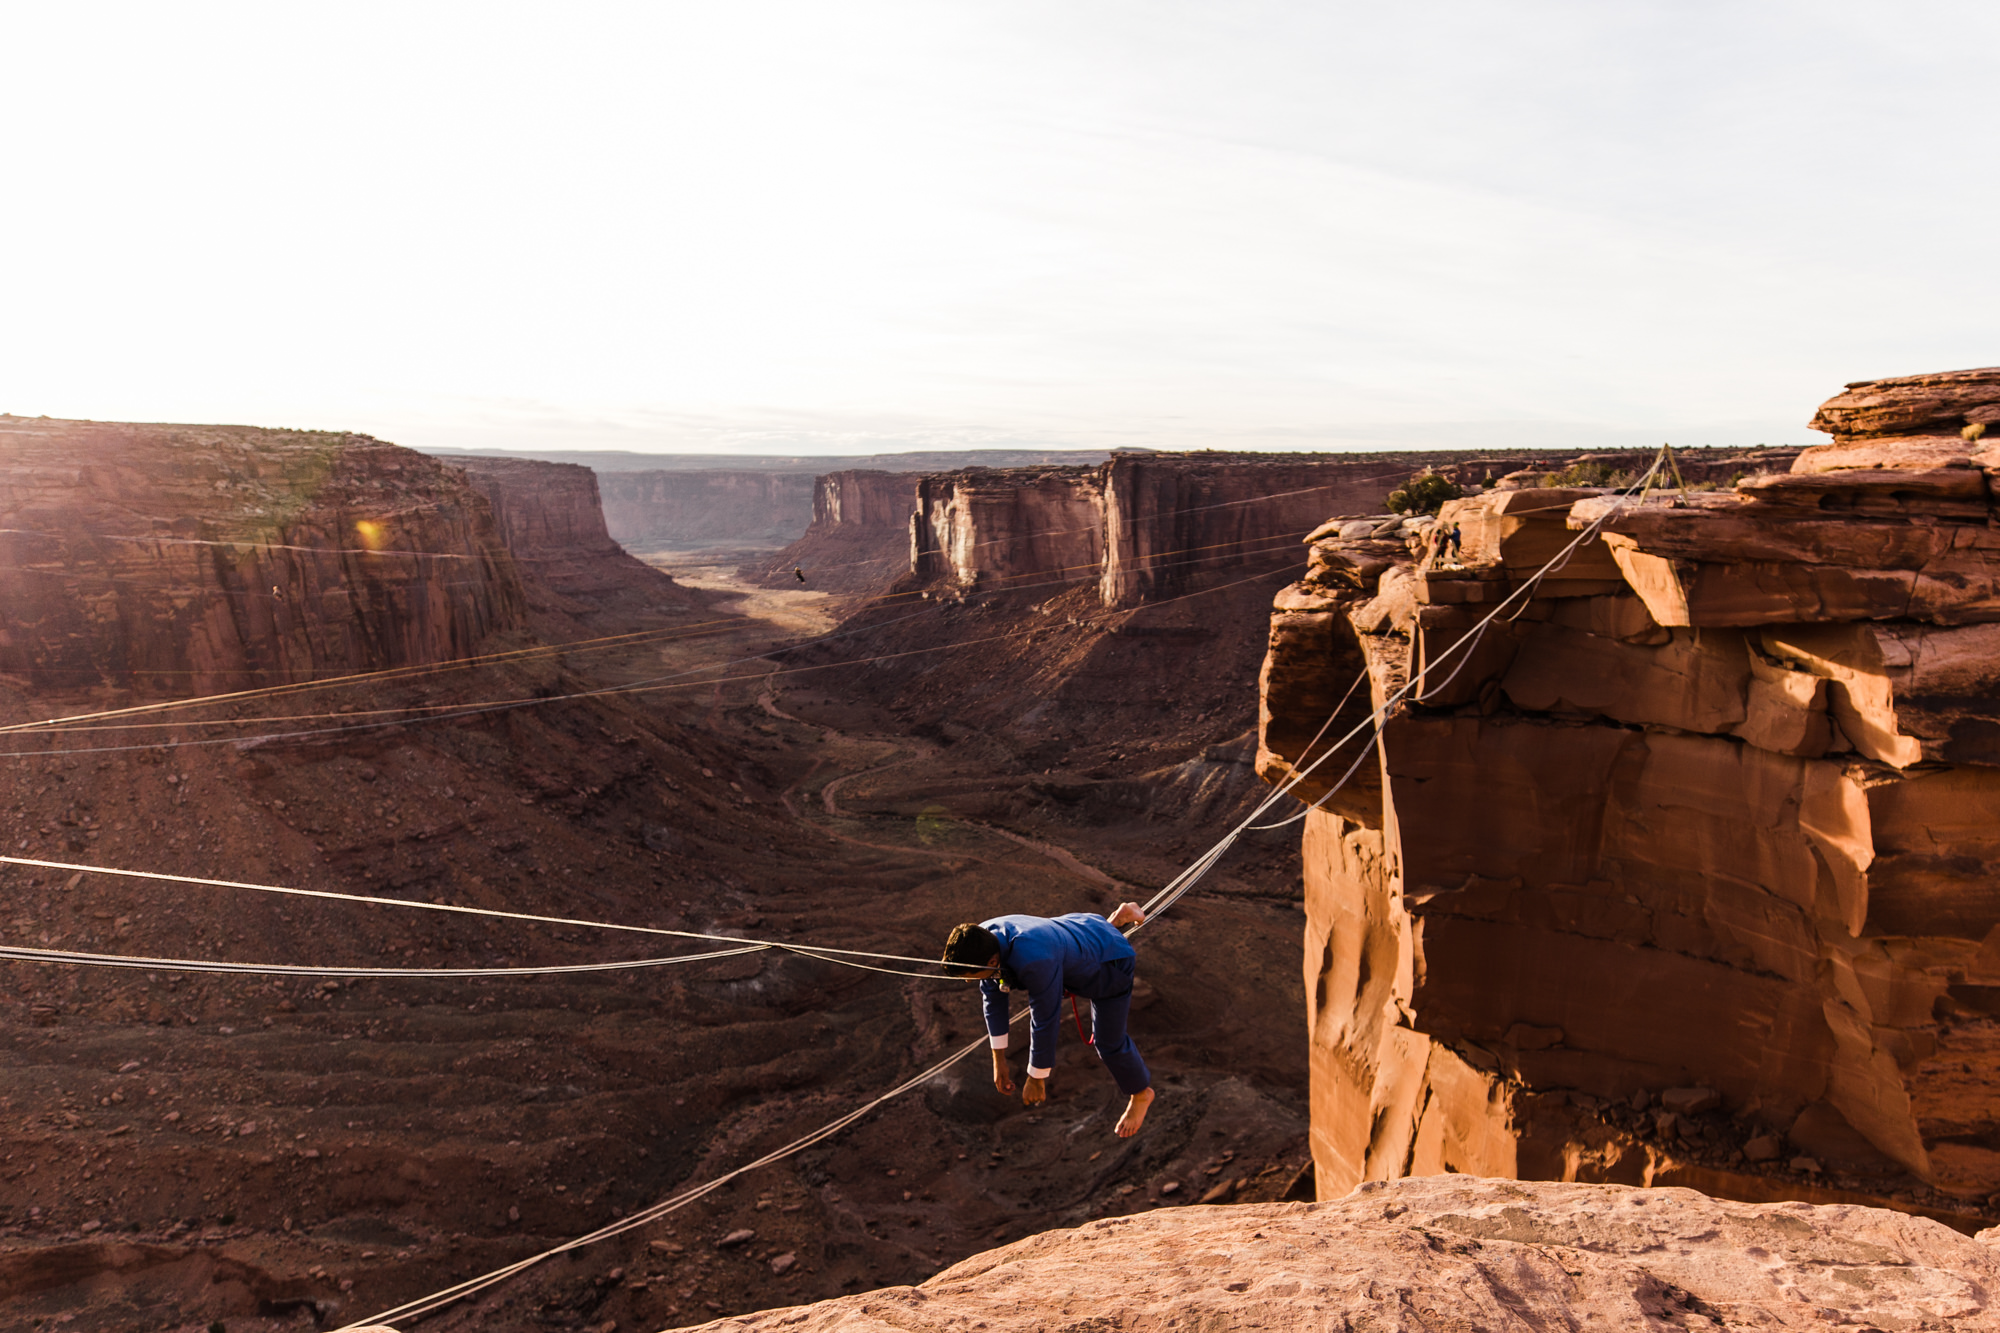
1453 1252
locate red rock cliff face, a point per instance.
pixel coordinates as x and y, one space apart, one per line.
1169 520
860 500
578 581
1714 814
545 510
859 540
186 559
1009 528
716 508
1142 527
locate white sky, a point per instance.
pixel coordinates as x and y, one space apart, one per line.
818 227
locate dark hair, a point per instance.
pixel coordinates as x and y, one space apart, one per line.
971 947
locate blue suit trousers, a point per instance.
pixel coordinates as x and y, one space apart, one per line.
1114 1044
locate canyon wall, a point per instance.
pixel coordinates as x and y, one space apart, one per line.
1141 527
859 540
546 511
999 529
861 500
1168 520
576 578
1685 871
709 507
188 559
1145 527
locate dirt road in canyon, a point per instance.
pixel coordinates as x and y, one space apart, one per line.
290 1154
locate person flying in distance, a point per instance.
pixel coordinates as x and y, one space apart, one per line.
1082 953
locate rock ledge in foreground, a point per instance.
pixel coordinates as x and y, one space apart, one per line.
1453 1252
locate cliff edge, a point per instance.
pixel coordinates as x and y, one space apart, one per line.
1682 874
187 559
578 581
1451 1252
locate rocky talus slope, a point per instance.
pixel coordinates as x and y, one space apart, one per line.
1684 873
183 559
1452 1253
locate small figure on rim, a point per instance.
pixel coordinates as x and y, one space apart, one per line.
1081 953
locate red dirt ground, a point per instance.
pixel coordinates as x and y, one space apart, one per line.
286 1154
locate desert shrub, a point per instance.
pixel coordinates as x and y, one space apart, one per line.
1589 473
1423 493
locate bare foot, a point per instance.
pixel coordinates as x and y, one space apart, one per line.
1135 1113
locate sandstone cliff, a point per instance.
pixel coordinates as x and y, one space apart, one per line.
1936 407
577 579
1170 520
712 507
1140 527
546 511
1143 527
1452 1253
1689 867
859 540
1006 528
185 559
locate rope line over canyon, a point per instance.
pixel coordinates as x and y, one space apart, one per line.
600 643
674 681
825 952
1161 902
25 954
1381 714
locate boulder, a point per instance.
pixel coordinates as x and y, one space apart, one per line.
1911 405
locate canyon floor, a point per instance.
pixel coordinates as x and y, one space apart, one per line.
296 1153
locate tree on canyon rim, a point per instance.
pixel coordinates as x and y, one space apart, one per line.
1423 493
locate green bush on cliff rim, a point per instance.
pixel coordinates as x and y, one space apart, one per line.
1424 493
1591 474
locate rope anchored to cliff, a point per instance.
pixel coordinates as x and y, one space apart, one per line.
1389 706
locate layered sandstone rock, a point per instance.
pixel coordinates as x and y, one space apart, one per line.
1008 529
187 559
1141 527
714 507
1145 527
546 511
574 574
860 535
1451 1252
1912 405
1712 813
1168 521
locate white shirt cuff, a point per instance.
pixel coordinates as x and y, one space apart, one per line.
999 1042
1039 1073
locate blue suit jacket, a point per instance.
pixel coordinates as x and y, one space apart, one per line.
1046 956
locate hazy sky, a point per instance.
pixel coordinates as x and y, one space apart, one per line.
828 227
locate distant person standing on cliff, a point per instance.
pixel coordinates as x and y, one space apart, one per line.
1082 953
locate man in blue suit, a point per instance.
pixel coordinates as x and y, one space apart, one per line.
1081 953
